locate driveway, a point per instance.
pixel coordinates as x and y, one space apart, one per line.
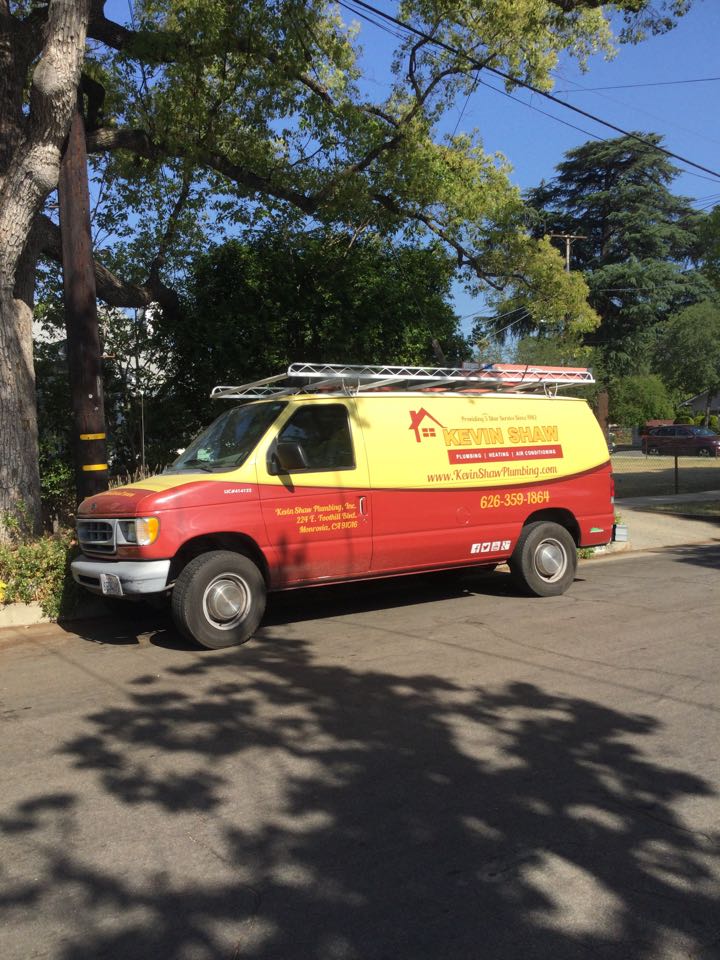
429 768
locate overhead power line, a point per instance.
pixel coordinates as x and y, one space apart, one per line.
409 28
499 316
663 120
632 86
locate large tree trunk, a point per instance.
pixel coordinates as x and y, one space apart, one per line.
19 477
30 148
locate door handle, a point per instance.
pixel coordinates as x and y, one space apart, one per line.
363 506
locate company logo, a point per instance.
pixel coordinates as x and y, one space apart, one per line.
490 546
421 422
485 444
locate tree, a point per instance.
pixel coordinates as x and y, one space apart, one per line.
636 399
203 117
551 350
688 353
641 241
252 308
48 45
710 247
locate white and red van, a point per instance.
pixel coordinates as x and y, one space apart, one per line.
333 473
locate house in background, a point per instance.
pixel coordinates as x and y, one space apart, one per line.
699 404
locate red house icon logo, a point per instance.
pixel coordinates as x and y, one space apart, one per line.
419 423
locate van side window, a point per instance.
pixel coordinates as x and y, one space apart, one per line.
323 431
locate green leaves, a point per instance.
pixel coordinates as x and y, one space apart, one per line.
636 399
258 107
689 349
252 308
709 247
636 241
37 570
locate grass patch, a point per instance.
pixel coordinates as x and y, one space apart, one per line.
655 476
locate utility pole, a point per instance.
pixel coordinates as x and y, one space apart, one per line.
83 336
568 238
602 401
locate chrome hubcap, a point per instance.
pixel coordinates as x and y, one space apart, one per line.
550 560
226 601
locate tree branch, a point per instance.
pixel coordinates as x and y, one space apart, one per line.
158 261
110 288
139 142
464 257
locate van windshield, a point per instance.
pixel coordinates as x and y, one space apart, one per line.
229 441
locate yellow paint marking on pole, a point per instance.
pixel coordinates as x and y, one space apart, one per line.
92 436
94 466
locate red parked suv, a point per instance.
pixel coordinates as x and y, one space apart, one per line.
682 440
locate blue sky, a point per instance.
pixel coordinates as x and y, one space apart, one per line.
686 115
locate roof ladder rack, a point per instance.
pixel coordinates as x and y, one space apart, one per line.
357 378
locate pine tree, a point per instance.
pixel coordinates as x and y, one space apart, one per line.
641 241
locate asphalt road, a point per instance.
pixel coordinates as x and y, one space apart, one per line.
428 768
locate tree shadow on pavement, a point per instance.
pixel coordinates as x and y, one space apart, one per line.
700 555
354 814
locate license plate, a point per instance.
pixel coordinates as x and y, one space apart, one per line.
110 585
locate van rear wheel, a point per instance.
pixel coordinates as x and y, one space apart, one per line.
544 559
219 599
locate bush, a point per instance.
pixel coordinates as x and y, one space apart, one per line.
38 569
57 487
698 420
639 398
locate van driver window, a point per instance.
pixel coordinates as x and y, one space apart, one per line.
323 431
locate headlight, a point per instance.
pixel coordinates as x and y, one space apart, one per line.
141 532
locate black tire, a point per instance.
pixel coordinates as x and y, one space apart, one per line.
219 599
705 452
544 559
653 451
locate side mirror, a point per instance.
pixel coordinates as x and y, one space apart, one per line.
286 457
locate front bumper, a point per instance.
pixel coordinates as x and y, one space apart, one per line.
136 576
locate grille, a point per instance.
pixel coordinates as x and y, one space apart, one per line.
96 536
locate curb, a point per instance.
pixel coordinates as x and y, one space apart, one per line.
612 548
31 614
22 615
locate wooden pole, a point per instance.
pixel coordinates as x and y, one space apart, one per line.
602 404
83 335
568 238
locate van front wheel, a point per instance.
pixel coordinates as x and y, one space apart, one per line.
219 599
544 559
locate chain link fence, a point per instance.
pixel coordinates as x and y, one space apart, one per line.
638 474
